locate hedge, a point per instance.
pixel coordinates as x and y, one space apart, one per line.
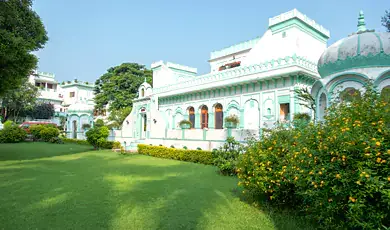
105 145
196 156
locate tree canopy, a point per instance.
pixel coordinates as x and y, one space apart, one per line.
119 86
386 20
21 33
18 103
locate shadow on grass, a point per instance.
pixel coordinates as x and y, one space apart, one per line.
282 218
37 150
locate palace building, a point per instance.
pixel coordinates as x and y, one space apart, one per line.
255 80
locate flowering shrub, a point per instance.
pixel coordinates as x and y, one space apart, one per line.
337 172
196 156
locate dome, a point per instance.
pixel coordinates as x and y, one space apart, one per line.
363 49
80 107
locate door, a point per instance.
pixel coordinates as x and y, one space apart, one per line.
74 129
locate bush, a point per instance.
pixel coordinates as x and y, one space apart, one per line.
109 144
337 172
48 133
172 146
99 123
8 124
35 131
226 157
97 137
185 147
301 120
56 140
12 134
116 145
86 126
199 148
185 122
196 156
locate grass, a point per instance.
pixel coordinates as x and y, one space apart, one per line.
49 186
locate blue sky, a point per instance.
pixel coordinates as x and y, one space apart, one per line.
86 37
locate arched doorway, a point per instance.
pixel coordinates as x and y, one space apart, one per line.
191 116
385 93
322 106
349 94
204 117
218 116
74 129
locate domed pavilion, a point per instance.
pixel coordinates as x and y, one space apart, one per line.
349 63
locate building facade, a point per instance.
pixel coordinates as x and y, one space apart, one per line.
254 80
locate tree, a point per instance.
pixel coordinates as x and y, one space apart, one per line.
117 117
386 20
303 94
21 33
119 86
19 102
43 111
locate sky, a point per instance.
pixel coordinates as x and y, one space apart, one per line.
87 37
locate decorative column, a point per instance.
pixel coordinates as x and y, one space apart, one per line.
242 118
211 121
197 121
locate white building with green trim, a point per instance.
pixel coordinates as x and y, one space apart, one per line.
254 80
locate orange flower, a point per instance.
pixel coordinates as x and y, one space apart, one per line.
338 176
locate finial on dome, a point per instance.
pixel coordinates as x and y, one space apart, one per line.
144 79
361 22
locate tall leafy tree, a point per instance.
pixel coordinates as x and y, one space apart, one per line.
386 20
42 111
119 86
21 33
117 117
17 103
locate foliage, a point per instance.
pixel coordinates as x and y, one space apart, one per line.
20 102
109 144
99 123
119 86
76 141
62 122
86 126
43 111
301 120
22 32
172 146
8 124
47 133
386 20
307 100
185 122
35 131
226 157
56 140
336 172
12 134
118 116
196 156
116 145
97 136
199 148
232 118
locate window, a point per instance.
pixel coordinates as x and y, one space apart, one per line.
204 117
142 92
218 116
285 112
191 115
71 94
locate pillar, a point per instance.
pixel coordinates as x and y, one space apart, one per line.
242 118
211 121
197 121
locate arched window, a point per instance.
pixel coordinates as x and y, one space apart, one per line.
385 93
204 117
142 92
322 106
218 116
191 115
349 94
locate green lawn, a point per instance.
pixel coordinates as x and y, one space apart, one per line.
49 186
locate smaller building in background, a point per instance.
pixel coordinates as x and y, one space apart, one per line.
72 100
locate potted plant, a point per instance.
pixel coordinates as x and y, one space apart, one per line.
232 121
185 124
86 126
